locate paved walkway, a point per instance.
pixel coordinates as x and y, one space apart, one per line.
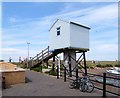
43 85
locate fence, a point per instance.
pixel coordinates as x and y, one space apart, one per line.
104 77
104 83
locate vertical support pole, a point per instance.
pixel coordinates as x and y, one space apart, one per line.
64 74
70 70
32 63
85 67
28 56
57 72
59 66
104 85
76 73
53 67
47 63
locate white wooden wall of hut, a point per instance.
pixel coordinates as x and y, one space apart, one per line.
71 35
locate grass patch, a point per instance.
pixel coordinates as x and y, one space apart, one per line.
102 64
54 73
44 67
117 65
51 72
22 65
38 69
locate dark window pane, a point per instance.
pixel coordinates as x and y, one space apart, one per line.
58 32
58 28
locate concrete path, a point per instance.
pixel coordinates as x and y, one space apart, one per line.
43 85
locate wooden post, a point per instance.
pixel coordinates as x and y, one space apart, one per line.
57 72
64 74
53 67
104 85
76 73
70 70
85 66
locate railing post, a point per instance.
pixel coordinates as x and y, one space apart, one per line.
48 50
64 74
37 58
42 61
104 85
42 55
57 72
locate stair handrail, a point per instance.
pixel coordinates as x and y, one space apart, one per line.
40 54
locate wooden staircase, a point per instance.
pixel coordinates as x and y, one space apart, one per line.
44 55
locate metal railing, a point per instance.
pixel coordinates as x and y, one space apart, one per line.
104 84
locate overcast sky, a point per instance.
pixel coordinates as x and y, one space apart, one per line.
30 22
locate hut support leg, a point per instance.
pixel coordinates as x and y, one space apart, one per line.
85 66
53 67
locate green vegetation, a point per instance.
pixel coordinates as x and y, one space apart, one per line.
54 73
90 64
38 69
103 64
44 67
51 72
22 65
117 65
61 67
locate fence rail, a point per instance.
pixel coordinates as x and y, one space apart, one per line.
103 83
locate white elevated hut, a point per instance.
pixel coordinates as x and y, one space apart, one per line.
69 37
65 34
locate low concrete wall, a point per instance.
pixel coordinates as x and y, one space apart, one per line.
14 77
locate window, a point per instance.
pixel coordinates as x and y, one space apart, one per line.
58 31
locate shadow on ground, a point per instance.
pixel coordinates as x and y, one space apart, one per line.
27 80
